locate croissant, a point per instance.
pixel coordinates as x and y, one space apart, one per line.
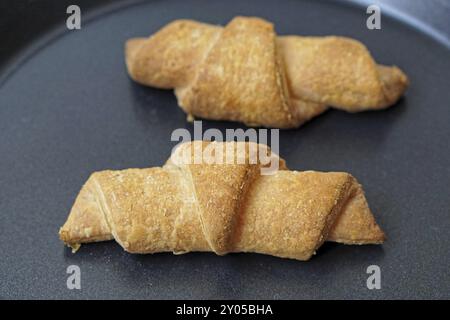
229 207
244 72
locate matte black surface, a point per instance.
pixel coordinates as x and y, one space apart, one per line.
70 109
22 21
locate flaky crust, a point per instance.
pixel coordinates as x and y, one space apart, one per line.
221 208
244 72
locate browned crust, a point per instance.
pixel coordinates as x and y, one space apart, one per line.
243 72
221 208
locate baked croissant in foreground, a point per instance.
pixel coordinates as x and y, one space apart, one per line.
244 72
223 208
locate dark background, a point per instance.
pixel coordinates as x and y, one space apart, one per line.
68 108
23 21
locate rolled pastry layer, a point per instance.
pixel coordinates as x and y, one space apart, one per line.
221 208
244 72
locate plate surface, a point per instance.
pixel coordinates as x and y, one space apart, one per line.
70 109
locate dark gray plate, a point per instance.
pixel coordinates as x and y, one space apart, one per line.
69 109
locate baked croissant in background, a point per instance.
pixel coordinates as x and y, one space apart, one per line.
244 72
223 208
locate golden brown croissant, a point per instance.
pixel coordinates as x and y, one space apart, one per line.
244 72
221 208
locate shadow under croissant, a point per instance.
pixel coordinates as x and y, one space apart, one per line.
337 132
160 105
327 251
367 129
233 276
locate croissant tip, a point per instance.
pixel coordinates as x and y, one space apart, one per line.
62 234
